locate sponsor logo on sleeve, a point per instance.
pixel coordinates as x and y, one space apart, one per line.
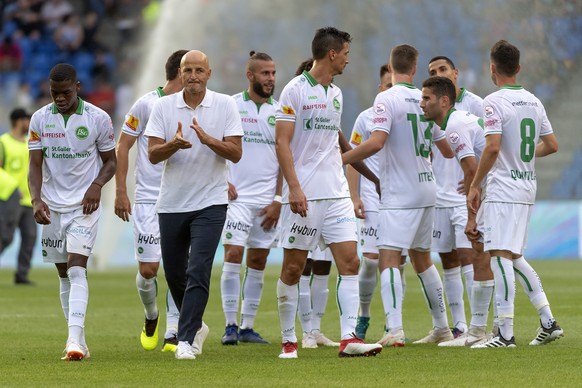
379 109
356 138
287 110
490 123
132 122
33 138
454 137
336 104
488 111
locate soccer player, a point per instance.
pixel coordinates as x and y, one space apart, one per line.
252 216
408 195
517 130
194 190
14 160
464 132
366 200
72 156
318 210
450 216
146 230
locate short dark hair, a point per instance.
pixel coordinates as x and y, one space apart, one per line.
173 64
328 38
441 86
383 70
257 56
18 114
403 58
63 72
505 56
306 65
442 57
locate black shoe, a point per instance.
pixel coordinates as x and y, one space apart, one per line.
23 281
230 336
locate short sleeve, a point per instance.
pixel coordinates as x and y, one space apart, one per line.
288 104
34 132
155 126
460 143
382 114
546 128
492 116
106 138
233 126
359 130
135 120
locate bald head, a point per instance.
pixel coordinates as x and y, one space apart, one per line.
195 56
195 71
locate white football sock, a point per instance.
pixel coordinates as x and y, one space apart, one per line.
453 284
64 290
172 316
504 293
469 276
481 293
305 309
367 280
78 300
147 290
347 303
230 291
391 292
433 292
319 295
403 279
287 299
532 285
251 296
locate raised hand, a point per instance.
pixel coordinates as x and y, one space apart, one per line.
179 140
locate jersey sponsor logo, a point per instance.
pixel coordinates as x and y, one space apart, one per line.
379 109
356 138
523 175
343 220
413 100
243 112
33 137
525 103
82 133
231 225
148 239
488 111
303 230
132 122
314 106
336 104
45 153
64 153
312 98
454 137
53 135
379 120
460 147
287 110
248 120
425 176
51 243
436 234
490 123
320 123
271 121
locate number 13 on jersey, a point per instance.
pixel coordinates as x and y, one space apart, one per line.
421 148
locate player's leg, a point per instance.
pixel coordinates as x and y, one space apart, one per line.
304 307
230 291
147 289
368 273
172 319
391 292
27 227
319 297
252 290
465 250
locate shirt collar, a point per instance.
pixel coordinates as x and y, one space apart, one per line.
79 110
461 95
206 101
247 97
446 119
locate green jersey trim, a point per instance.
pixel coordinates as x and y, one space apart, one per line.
310 79
406 84
247 96
446 119
78 111
512 87
461 95
160 91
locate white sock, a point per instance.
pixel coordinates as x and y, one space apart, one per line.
251 296
230 290
469 276
391 292
172 316
481 293
319 295
532 285
78 300
287 299
347 303
433 292
367 280
453 284
64 290
147 290
504 293
305 310
403 279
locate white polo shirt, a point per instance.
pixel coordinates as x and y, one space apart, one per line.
193 178
147 175
255 175
70 149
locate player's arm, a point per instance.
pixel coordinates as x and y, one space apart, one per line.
273 210
360 166
41 211
160 150
92 196
367 148
230 147
488 158
122 203
353 178
548 145
469 167
284 131
445 148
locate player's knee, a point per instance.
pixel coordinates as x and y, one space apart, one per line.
148 272
233 255
291 273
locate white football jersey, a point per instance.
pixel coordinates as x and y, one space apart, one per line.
520 118
255 175
70 150
147 175
316 111
448 172
465 134
406 176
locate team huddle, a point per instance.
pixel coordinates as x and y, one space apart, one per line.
255 173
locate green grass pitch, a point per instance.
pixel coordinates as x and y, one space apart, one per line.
33 335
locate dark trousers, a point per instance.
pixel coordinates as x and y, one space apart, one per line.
189 241
27 227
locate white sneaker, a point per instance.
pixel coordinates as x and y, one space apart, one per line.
324 341
472 337
84 348
309 341
393 338
288 350
355 347
74 352
436 336
496 342
201 335
185 351
545 336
